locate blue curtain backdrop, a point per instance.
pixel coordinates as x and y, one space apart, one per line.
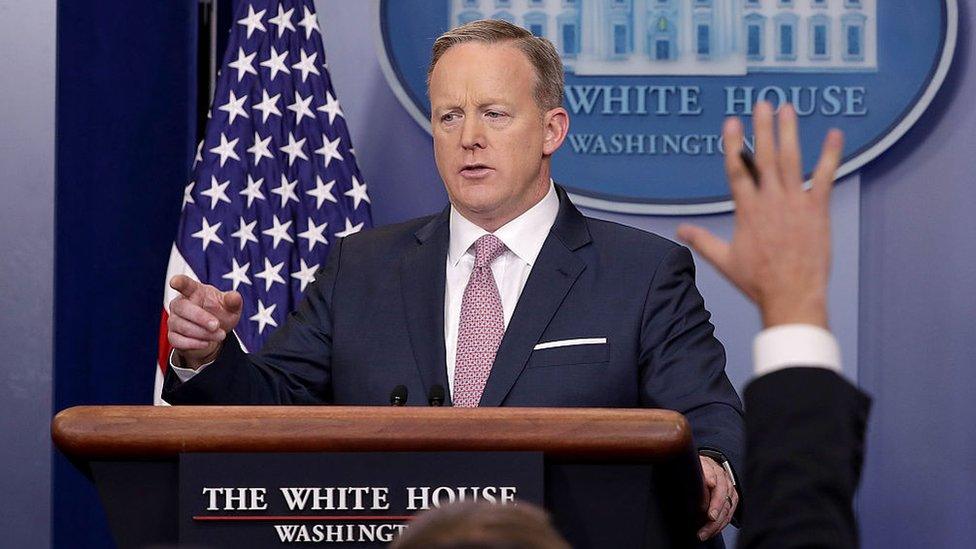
126 92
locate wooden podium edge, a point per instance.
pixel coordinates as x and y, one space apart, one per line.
147 432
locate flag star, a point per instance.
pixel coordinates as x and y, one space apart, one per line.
306 65
234 106
187 194
357 193
350 229
300 107
244 64
245 232
276 62
322 192
331 107
226 149
268 106
238 274
314 234
216 192
263 316
199 156
271 274
208 234
282 20
286 191
310 22
253 20
253 191
260 149
294 149
279 232
329 149
306 275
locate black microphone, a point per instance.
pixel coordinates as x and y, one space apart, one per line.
399 395
436 396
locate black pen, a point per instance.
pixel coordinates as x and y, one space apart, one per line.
747 159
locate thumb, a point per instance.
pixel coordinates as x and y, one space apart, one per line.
712 248
232 301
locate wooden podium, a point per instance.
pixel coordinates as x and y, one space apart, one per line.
613 477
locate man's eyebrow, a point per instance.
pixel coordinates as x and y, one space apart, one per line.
492 101
482 106
485 103
441 111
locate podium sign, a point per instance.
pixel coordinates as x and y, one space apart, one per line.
352 499
613 477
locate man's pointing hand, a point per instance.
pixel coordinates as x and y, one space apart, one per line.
199 320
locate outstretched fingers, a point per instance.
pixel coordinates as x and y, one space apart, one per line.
763 127
830 157
741 183
715 250
790 158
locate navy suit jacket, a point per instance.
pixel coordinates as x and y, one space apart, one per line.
374 319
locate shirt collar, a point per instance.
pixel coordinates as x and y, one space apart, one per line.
524 235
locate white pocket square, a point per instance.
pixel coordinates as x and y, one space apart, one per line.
570 342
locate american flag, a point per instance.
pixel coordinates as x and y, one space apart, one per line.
274 182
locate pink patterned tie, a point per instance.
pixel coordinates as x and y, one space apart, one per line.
482 325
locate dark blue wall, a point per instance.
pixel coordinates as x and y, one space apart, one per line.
125 122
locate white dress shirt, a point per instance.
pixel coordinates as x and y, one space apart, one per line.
790 345
523 236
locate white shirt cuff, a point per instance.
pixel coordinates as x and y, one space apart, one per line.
794 345
185 374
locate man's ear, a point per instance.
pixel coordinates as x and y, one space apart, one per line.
556 127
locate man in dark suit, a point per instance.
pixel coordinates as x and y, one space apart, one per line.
509 297
805 426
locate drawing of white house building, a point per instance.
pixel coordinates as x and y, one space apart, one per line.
694 37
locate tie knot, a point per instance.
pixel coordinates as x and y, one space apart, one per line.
487 249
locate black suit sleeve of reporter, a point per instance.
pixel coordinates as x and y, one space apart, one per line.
804 451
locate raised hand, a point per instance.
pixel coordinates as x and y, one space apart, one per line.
200 319
779 256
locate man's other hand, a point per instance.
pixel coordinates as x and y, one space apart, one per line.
199 320
779 256
719 499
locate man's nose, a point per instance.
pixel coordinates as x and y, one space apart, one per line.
472 133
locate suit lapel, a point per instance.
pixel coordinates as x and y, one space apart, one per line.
422 279
553 275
